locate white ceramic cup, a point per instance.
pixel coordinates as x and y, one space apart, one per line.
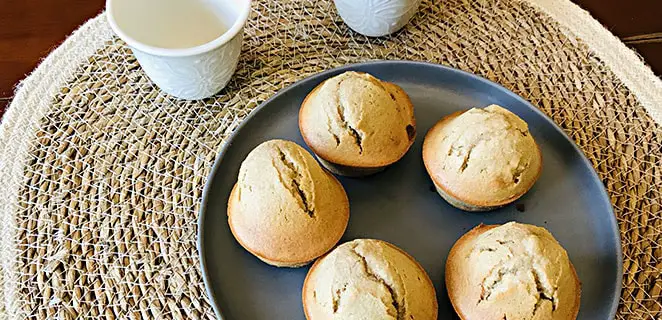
376 18
194 72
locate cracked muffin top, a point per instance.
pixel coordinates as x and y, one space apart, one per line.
357 120
368 279
483 156
285 209
512 271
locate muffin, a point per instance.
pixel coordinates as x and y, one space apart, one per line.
285 209
368 279
511 271
481 159
357 124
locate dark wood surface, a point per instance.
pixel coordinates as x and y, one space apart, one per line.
30 29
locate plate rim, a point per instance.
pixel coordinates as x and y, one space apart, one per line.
348 67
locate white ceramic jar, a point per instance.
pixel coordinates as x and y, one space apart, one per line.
190 72
376 18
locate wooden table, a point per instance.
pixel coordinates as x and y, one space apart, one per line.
30 29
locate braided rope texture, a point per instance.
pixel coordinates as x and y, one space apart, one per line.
107 210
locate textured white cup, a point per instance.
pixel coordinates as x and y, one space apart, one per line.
376 18
190 73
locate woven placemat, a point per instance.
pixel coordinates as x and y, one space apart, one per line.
102 173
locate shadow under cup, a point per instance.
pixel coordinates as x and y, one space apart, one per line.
188 48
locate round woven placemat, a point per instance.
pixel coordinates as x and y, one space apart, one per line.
103 173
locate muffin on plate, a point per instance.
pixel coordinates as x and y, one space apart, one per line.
357 124
368 279
481 159
512 271
285 209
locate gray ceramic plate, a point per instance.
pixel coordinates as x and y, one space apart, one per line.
400 205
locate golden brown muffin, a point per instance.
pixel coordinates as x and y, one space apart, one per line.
357 124
285 209
481 159
512 271
368 279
